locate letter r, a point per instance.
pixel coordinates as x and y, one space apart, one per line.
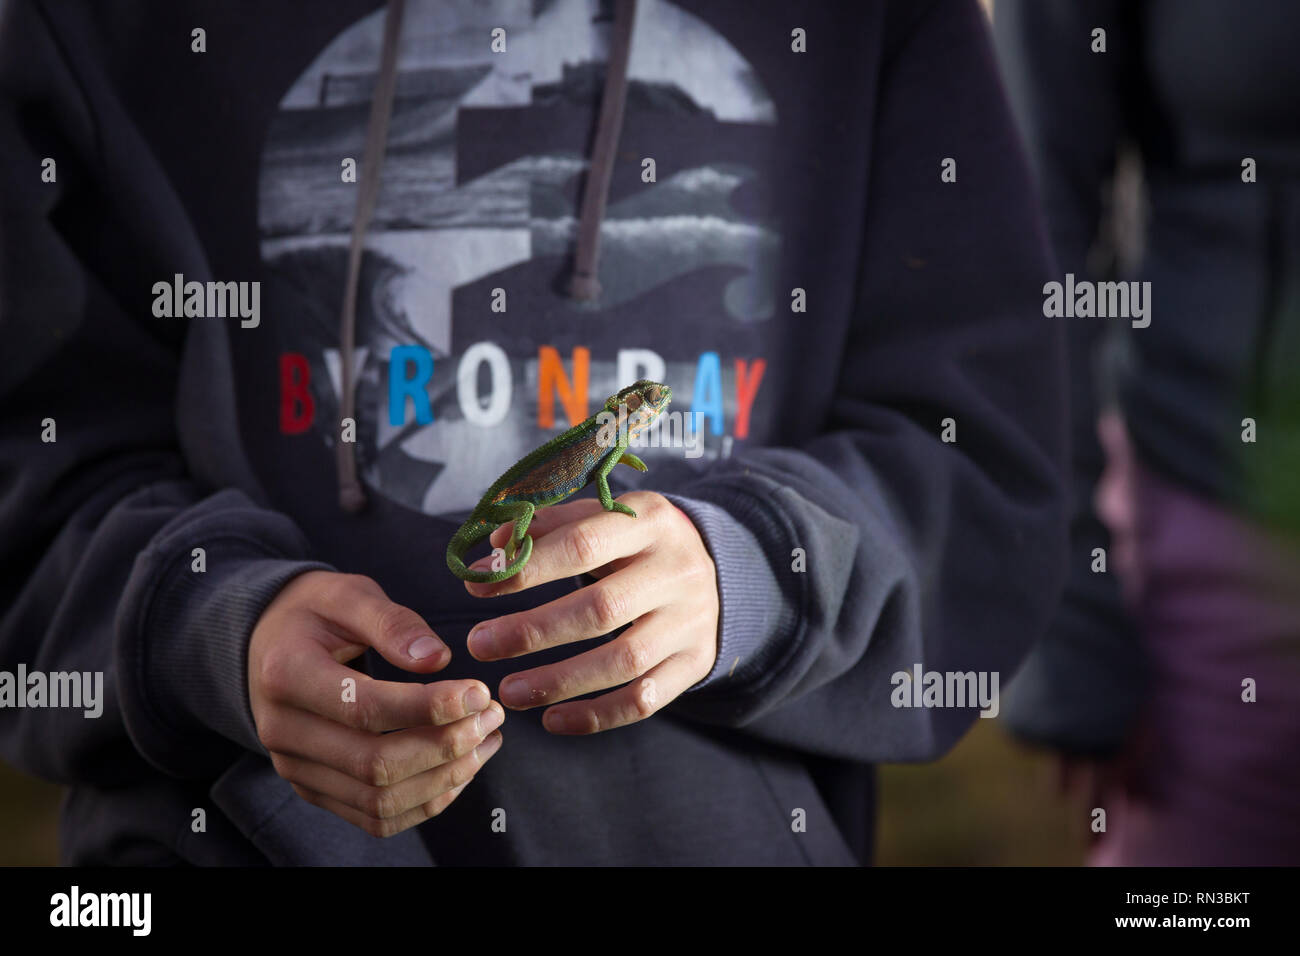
400 387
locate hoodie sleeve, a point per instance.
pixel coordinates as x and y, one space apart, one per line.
876 545
99 519
1080 688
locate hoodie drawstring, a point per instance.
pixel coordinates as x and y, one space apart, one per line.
583 284
352 498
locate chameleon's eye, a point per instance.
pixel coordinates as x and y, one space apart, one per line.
653 393
633 402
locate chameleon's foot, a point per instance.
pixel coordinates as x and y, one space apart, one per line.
511 550
630 459
619 506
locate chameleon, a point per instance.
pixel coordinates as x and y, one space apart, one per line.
566 464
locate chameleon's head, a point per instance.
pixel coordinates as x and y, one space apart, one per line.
644 401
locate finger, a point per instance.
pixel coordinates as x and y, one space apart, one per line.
546 520
359 606
633 702
386 803
329 689
578 547
376 759
588 612
373 825
630 655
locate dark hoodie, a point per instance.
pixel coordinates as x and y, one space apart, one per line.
791 263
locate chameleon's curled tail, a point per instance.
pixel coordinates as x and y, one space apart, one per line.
466 538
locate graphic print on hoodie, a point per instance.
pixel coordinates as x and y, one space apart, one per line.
479 191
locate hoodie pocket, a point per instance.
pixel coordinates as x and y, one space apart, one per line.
804 813
289 831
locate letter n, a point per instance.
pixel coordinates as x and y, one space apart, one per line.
551 380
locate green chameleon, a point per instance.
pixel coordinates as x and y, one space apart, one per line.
566 464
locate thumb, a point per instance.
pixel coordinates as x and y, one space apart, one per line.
399 634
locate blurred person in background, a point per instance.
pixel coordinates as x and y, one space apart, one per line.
1176 688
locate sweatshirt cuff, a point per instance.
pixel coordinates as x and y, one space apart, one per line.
755 617
183 638
202 629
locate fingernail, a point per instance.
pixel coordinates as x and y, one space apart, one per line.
488 747
482 643
490 720
423 647
555 722
515 692
476 699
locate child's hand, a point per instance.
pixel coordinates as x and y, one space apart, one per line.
653 569
329 743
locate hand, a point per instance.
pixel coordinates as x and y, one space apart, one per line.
652 569
1115 503
334 751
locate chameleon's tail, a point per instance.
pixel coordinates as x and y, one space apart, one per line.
466 538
